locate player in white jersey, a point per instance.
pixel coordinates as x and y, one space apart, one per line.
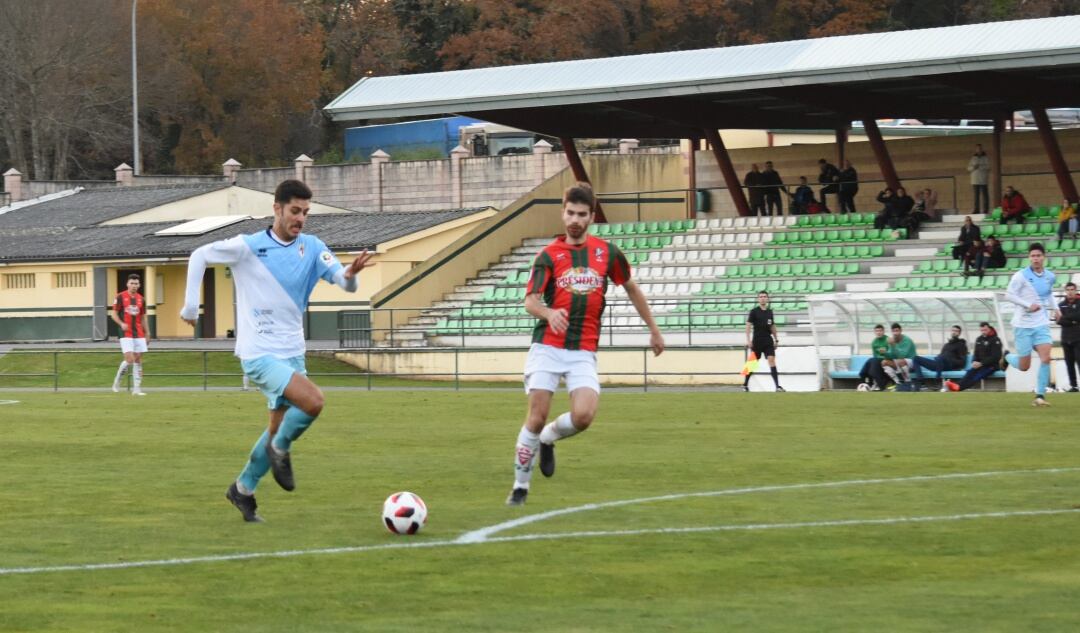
1031 289
274 272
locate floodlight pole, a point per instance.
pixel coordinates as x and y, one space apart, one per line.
135 94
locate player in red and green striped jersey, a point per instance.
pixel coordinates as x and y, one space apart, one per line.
566 293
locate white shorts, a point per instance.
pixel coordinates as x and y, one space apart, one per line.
545 365
130 345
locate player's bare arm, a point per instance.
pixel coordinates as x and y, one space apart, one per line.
557 319
116 319
637 297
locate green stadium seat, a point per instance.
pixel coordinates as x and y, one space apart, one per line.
772 254
771 270
826 268
1072 261
813 269
850 252
851 268
712 320
787 285
772 286
836 252
830 220
784 269
988 230
798 269
802 285
804 220
902 284
995 214
817 220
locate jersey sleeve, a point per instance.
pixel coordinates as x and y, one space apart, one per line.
541 275
619 269
118 304
326 264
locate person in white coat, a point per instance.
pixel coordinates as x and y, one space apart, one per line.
979 168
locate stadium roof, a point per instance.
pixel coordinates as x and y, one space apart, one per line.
340 231
971 71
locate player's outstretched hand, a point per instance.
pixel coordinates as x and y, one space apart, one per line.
656 342
361 262
190 322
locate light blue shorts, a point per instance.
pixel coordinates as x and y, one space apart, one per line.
271 375
1028 337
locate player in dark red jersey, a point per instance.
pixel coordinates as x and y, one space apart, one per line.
566 293
129 312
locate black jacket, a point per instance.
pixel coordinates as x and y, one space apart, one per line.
998 259
828 177
754 181
988 349
773 181
1070 321
849 181
954 353
967 237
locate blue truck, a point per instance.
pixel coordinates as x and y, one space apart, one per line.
433 138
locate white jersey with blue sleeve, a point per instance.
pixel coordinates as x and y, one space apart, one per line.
1027 288
273 280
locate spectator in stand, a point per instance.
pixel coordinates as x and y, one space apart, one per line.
923 209
802 198
896 211
969 232
887 198
1013 206
979 168
1069 320
828 178
773 185
953 356
755 189
986 362
992 256
872 373
900 357
971 257
1067 221
849 186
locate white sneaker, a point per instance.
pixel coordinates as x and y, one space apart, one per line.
115 388
944 389
138 392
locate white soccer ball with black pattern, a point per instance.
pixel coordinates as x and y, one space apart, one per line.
404 513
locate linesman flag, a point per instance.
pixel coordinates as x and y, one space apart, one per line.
750 366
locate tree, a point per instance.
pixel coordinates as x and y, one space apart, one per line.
63 90
240 70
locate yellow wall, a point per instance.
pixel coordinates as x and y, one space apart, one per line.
232 201
169 324
45 294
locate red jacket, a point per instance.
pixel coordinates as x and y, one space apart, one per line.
1012 206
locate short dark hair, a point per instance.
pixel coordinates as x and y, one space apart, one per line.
957 327
1037 246
135 277
879 326
580 193
1069 283
289 189
896 326
985 324
763 292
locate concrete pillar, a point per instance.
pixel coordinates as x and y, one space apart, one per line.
378 158
125 175
301 163
628 145
456 155
877 143
996 161
149 291
230 168
691 177
13 182
539 148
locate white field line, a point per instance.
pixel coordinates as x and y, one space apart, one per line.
481 536
485 533
9 402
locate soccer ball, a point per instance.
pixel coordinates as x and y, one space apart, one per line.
404 513
862 387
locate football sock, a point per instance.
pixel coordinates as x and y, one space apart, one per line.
120 372
292 427
524 455
136 373
561 428
257 466
746 381
775 376
905 371
1013 360
890 372
1044 379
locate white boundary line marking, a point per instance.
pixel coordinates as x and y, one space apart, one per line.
9 402
483 535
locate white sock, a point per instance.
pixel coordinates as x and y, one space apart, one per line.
136 373
528 444
906 371
120 372
890 372
561 428
242 489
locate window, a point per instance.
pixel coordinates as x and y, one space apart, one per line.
19 281
69 280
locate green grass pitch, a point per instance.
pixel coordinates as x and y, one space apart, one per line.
90 479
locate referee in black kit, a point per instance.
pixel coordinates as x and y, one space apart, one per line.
761 338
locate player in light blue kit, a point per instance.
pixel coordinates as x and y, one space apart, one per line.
274 271
1032 290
